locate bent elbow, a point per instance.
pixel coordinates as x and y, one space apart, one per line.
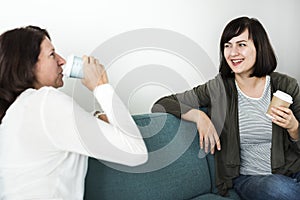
139 156
138 159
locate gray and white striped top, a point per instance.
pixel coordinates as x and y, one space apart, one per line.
255 132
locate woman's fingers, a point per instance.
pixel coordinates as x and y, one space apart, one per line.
201 138
208 136
209 140
94 73
283 117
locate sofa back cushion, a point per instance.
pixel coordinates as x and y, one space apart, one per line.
173 170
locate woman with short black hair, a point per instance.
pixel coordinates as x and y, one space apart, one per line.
260 157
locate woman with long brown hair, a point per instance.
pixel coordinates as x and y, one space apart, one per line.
45 137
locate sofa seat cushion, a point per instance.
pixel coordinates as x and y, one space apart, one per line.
210 197
173 170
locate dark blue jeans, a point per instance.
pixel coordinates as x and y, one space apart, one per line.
265 187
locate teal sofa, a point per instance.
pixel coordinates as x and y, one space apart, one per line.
176 169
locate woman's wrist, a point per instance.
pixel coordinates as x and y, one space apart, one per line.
101 115
294 133
193 115
294 136
98 113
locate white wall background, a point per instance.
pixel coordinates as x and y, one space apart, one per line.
79 27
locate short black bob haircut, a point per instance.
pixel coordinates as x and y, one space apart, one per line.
265 62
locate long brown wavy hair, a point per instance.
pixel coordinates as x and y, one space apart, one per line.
19 52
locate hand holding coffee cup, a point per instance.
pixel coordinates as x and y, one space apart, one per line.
94 73
279 99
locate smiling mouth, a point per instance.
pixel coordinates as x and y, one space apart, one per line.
236 62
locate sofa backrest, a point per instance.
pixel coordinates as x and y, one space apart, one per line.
173 170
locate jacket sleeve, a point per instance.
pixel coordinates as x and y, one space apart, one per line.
181 103
293 89
71 128
200 96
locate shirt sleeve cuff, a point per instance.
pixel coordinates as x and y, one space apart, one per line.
104 95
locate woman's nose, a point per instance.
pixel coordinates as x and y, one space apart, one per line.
234 51
60 60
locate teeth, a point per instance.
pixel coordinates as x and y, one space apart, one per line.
236 61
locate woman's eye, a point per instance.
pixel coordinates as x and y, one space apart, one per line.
52 54
242 44
226 45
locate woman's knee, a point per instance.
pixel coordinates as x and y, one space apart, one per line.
273 186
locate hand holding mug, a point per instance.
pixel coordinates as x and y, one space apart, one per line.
94 73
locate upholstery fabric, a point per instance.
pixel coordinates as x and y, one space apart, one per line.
166 137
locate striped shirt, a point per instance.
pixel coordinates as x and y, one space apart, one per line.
255 132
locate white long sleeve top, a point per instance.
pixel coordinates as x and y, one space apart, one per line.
46 139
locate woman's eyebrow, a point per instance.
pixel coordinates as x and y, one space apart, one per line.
241 41
52 50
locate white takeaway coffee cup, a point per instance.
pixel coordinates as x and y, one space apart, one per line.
73 67
279 99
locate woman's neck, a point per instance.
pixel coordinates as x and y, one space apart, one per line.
251 86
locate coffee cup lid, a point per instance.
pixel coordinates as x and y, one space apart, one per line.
284 96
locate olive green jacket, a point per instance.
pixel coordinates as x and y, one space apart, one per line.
220 96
